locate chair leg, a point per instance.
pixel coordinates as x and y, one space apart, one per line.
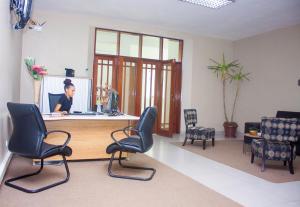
192 142
9 182
130 167
263 164
184 141
252 157
291 166
213 141
204 144
284 163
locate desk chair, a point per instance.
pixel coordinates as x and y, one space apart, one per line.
53 100
27 140
140 142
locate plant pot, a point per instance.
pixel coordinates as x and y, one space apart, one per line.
37 89
230 129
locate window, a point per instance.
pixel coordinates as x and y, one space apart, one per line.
106 42
151 47
170 49
129 45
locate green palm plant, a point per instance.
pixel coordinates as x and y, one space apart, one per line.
229 72
238 76
223 71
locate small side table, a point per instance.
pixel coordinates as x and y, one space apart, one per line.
248 140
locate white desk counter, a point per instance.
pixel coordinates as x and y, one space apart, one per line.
90 134
90 117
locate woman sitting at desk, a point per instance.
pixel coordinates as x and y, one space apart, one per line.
65 102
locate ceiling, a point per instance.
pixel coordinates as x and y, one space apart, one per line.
241 19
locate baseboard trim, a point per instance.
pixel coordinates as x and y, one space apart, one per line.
4 165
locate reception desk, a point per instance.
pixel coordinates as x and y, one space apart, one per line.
90 133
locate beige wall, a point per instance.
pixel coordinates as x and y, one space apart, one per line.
10 54
273 59
67 41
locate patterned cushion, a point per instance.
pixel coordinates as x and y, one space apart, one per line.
200 133
280 129
190 116
273 150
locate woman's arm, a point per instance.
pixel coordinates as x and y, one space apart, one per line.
57 107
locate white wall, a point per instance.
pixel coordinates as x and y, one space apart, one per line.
67 41
206 89
273 59
10 56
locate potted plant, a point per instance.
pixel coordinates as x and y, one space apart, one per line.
229 72
37 72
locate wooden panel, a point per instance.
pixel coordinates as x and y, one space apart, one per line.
89 137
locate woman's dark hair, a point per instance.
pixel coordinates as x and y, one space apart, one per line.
68 83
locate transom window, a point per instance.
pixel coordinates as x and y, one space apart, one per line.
127 44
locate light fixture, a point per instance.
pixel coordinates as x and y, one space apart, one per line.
214 4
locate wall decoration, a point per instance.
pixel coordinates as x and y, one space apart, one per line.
22 9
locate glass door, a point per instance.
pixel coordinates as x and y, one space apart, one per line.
166 102
148 86
127 84
104 76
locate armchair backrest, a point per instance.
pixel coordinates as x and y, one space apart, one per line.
145 127
288 114
280 129
53 100
29 129
190 117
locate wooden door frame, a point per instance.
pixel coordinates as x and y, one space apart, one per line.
160 131
122 59
95 74
117 84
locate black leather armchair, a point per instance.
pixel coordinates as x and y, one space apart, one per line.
140 142
27 140
53 100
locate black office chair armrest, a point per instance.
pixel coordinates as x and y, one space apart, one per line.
60 131
128 128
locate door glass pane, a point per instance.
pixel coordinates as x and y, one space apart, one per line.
104 78
129 45
110 71
106 42
148 86
151 47
170 49
128 88
166 97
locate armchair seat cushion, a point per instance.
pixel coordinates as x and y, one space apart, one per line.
200 133
273 150
130 144
49 150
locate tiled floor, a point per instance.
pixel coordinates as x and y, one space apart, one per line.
237 185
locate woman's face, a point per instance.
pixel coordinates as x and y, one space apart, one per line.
70 91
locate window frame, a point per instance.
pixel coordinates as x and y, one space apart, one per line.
140 52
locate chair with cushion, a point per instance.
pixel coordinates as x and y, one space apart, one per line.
279 136
53 100
140 142
27 140
194 132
